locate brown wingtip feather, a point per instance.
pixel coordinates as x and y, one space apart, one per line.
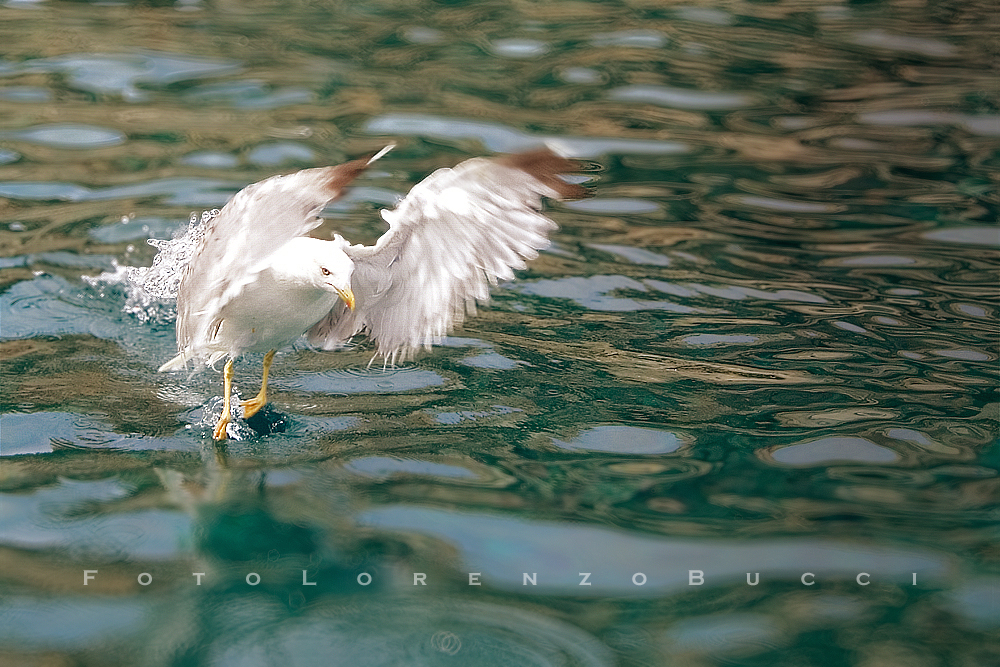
546 166
341 176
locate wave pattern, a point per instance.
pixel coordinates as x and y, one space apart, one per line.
769 344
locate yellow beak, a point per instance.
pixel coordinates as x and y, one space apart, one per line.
347 295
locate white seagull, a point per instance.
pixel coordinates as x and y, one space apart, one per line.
256 281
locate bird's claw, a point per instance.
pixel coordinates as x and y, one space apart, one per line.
220 428
252 406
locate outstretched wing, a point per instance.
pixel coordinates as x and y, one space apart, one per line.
456 232
239 240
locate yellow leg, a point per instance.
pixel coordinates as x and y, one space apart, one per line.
227 389
253 405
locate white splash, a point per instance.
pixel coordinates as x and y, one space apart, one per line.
152 290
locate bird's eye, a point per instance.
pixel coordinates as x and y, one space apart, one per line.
325 270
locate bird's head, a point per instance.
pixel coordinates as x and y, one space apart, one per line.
326 266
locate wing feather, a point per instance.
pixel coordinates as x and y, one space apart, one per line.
457 232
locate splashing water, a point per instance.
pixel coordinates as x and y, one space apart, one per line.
162 280
152 290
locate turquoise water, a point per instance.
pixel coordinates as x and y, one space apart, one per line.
743 412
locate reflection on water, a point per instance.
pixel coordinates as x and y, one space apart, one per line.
743 411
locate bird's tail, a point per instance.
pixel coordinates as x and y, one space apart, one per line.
178 363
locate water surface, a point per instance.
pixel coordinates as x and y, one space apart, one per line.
743 411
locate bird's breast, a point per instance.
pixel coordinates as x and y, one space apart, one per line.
269 314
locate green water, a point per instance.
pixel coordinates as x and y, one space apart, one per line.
765 352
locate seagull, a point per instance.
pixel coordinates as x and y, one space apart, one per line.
256 281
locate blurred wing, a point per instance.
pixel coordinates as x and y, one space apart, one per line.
240 239
456 232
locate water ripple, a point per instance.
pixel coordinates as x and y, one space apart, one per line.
834 449
594 293
679 98
419 634
354 381
502 138
624 440
123 74
68 135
